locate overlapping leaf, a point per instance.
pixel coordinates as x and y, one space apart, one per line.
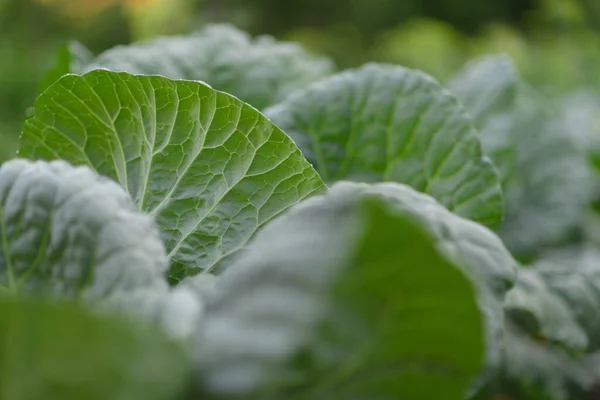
356 294
552 315
210 168
389 123
546 180
68 232
260 71
332 303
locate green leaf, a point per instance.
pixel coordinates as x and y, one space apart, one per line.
260 71
473 248
389 123
552 322
210 168
355 294
573 274
545 177
551 187
542 313
68 232
540 371
59 351
486 86
70 58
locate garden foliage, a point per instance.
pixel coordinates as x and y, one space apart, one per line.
221 217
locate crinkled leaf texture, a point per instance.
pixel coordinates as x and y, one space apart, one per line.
61 351
260 71
68 233
553 313
538 371
354 294
210 168
389 123
544 173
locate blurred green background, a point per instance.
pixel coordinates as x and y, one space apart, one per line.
555 43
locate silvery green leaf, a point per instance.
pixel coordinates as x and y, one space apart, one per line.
537 149
68 232
356 294
260 71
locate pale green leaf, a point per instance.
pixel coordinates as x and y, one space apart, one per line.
68 232
542 313
539 371
544 171
260 71
210 168
486 86
389 123
356 294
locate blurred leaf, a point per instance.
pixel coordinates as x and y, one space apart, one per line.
70 58
551 185
389 123
538 310
544 172
573 274
345 296
486 86
539 371
260 71
553 313
69 232
209 167
58 351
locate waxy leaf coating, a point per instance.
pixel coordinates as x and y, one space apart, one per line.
260 71
545 176
67 232
357 294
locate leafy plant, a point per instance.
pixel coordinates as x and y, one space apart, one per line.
200 223
210 168
260 71
546 180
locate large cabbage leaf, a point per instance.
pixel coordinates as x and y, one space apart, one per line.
389 123
209 167
357 294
